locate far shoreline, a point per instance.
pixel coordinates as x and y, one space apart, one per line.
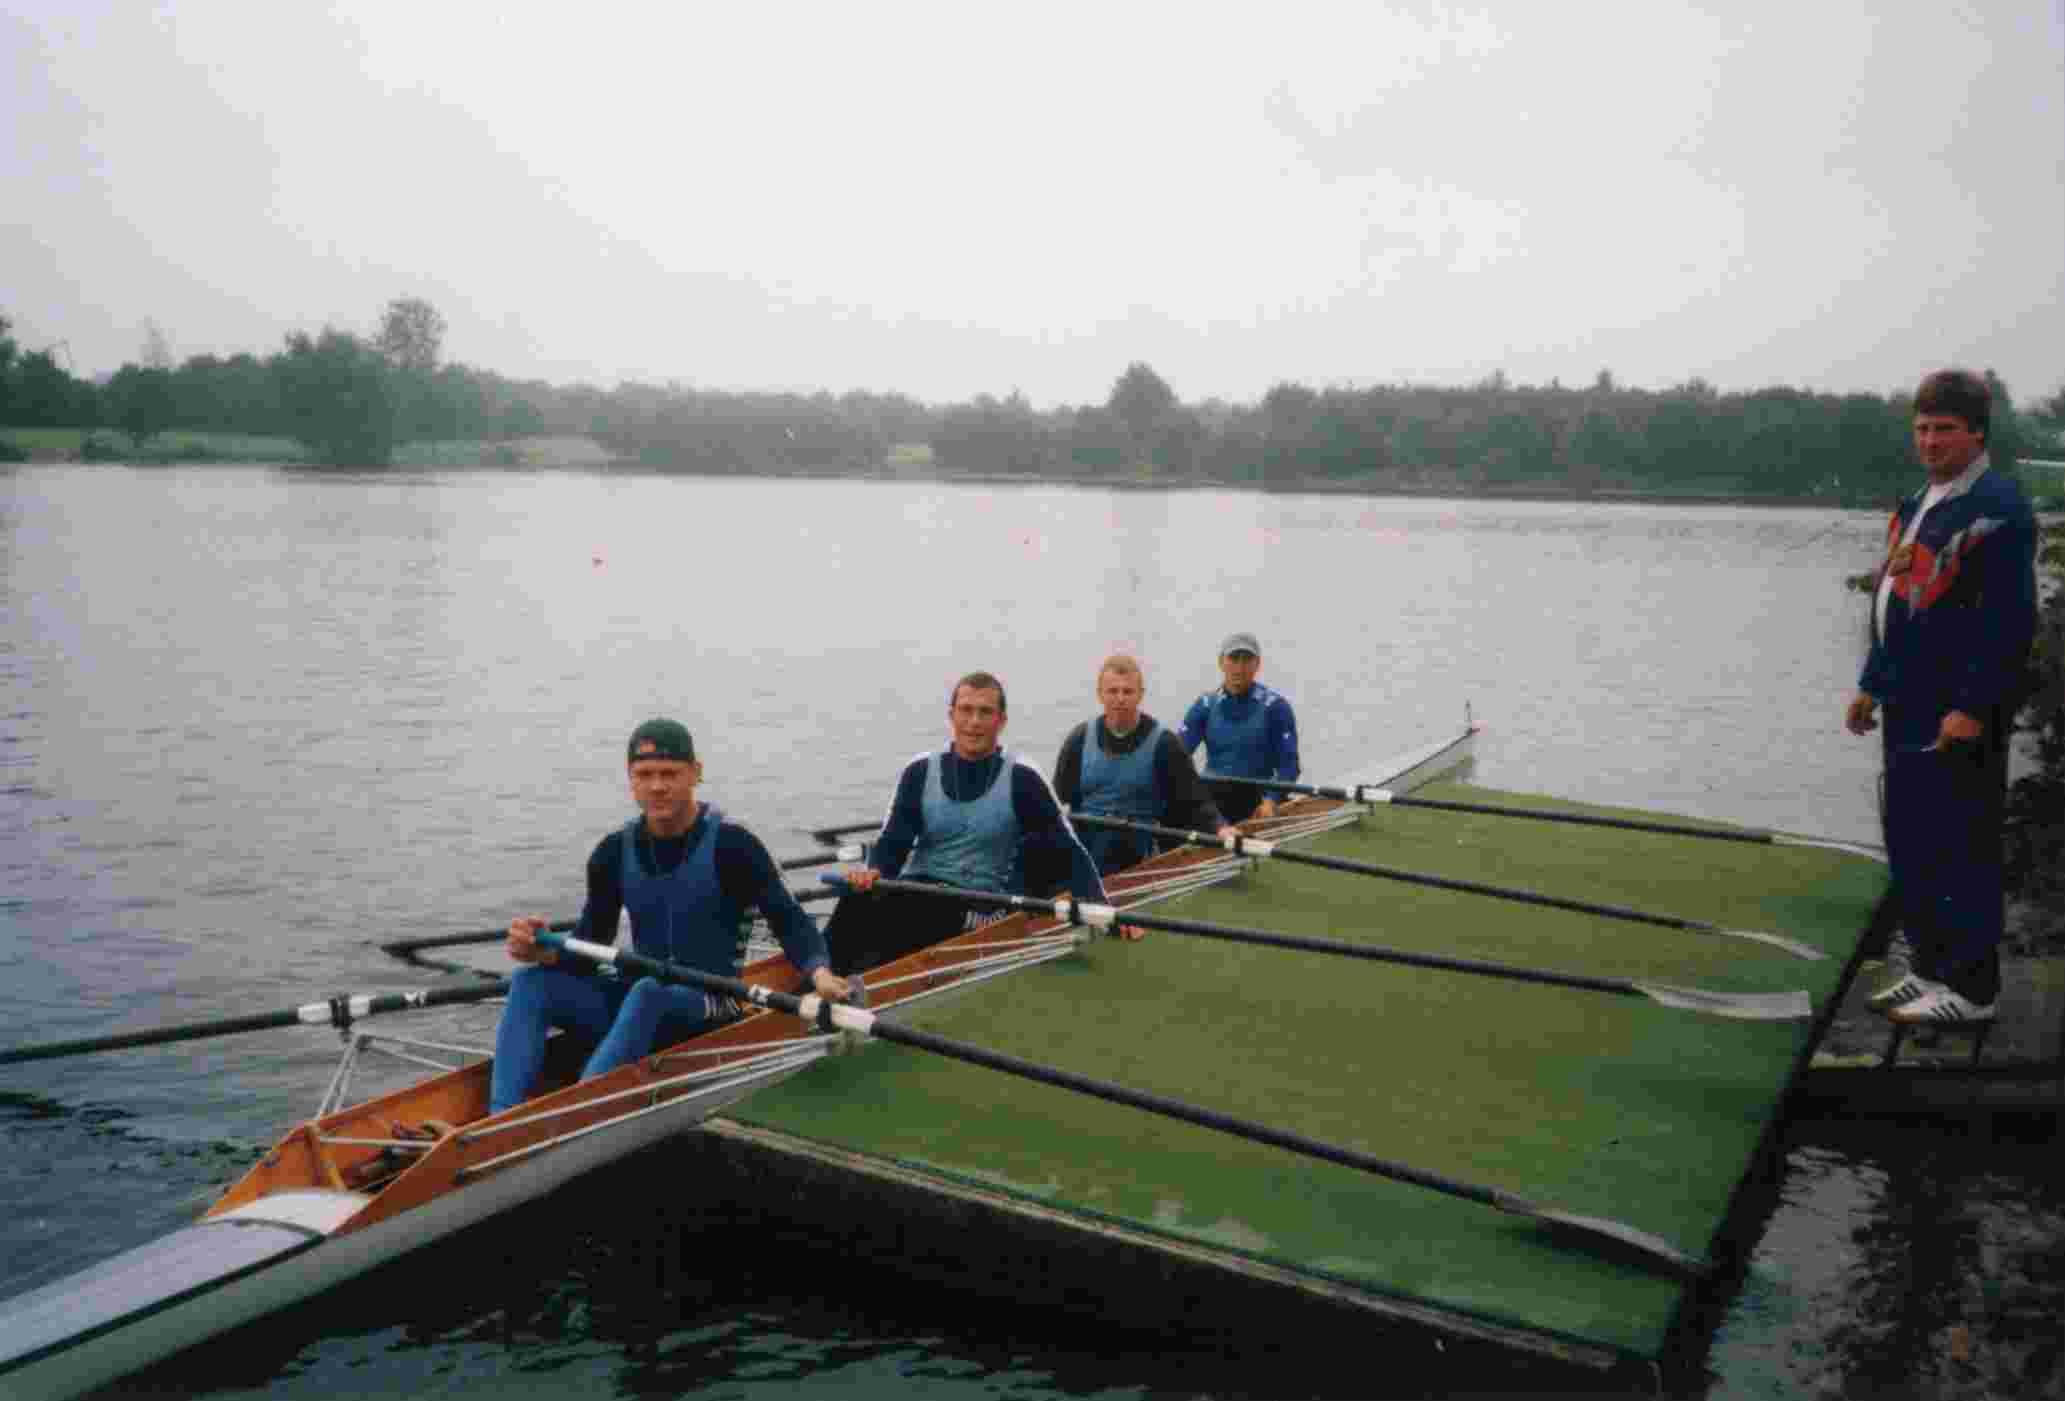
584 455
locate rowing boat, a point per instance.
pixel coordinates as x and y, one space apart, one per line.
361 1184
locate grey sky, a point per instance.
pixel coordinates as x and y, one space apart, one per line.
954 199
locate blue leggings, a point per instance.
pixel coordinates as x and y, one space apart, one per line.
623 1021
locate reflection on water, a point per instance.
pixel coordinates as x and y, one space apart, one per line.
1906 1259
259 721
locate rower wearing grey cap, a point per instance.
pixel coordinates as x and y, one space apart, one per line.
687 876
1247 729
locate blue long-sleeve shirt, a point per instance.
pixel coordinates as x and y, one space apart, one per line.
1042 826
1217 715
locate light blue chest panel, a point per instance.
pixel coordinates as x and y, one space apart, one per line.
681 915
972 844
1121 785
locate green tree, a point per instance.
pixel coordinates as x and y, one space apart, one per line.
140 401
1138 400
2006 441
336 398
8 349
45 396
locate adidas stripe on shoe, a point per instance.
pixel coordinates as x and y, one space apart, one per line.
1940 1006
1908 987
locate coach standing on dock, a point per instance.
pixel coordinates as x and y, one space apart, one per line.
1247 729
1951 630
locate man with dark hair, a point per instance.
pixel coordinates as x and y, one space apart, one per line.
1247 728
970 815
1951 629
1124 764
687 877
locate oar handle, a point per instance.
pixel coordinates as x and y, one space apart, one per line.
830 835
402 948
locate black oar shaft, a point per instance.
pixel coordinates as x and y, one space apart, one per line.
402 948
830 835
1365 868
1625 824
1499 892
336 1010
830 1017
1270 938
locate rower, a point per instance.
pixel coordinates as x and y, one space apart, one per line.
1125 764
1248 729
687 877
971 815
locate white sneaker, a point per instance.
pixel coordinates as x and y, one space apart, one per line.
1940 1005
1906 988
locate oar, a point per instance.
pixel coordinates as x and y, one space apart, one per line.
337 1011
833 1016
1255 846
1742 1006
406 948
1371 793
830 835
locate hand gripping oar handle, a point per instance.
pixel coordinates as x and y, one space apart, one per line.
1377 795
1775 1006
1254 847
337 1011
833 1016
403 948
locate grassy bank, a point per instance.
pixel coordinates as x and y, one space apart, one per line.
108 445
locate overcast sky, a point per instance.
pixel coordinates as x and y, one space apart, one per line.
946 200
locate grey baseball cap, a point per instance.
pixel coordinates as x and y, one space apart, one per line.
1240 642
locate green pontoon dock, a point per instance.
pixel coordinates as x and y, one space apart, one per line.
1606 1106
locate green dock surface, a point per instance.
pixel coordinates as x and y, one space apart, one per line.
1600 1105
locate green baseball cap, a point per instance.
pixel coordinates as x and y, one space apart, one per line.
661 739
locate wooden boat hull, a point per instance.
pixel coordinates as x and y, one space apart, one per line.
241 1263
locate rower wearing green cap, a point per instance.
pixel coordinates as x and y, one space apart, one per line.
687 876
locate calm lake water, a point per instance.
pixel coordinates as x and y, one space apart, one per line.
257 721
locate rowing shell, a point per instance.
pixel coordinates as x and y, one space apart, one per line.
357 1187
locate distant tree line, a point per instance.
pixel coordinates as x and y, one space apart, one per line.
1491 436
351 399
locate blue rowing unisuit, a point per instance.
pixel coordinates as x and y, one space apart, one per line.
1250 736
